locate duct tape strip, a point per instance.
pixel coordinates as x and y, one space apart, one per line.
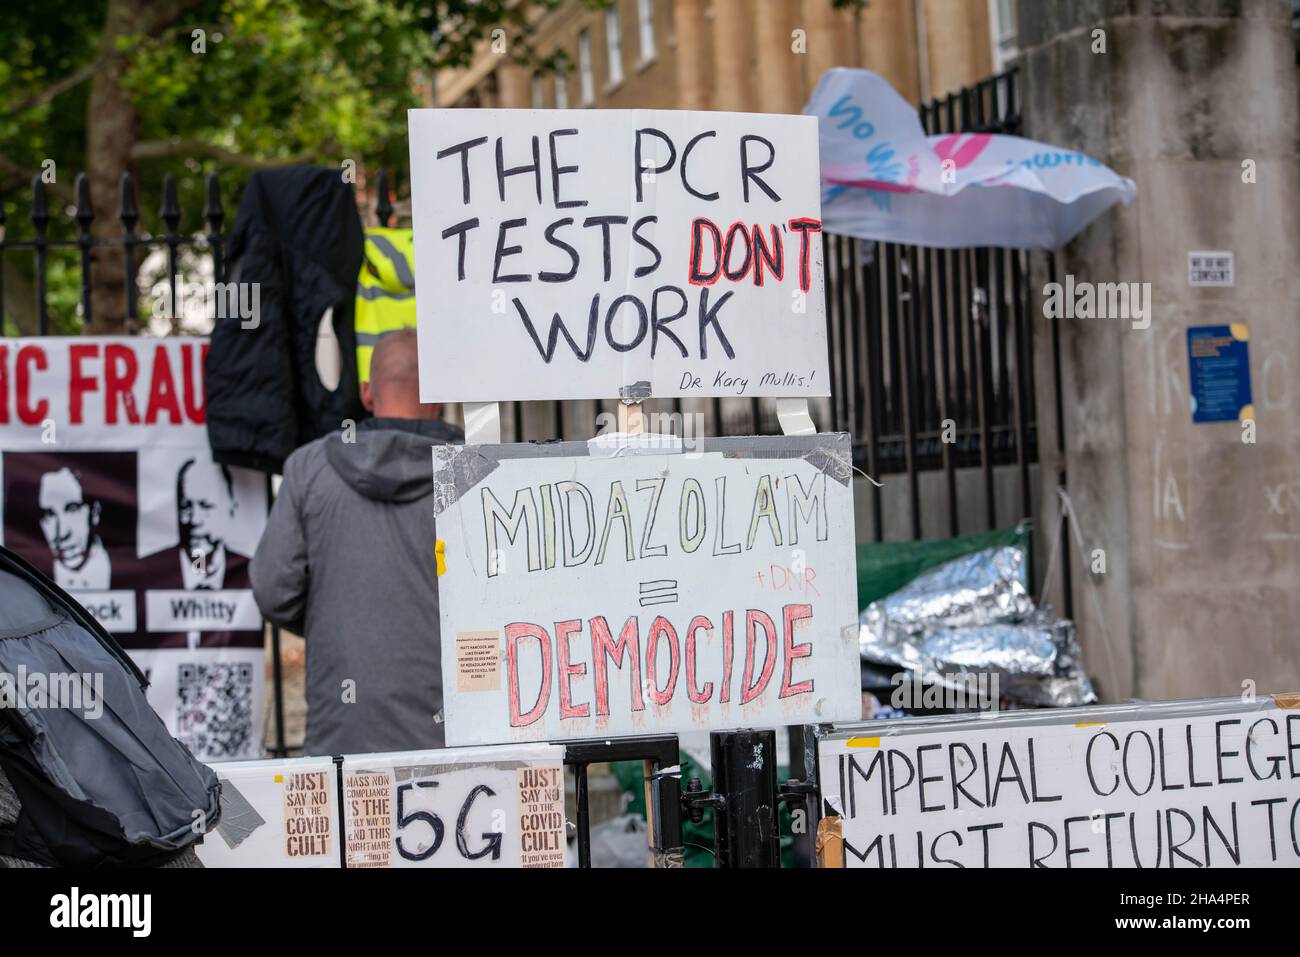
835 463
794 417
636 392
617 444
482 423
459 468
1136 710
411 772
239 819
456 470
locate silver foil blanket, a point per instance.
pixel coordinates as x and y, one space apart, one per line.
974 615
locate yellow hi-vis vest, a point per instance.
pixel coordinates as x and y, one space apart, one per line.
385 291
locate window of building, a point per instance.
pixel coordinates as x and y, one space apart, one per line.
539 92
1002 27
584 69
646 18
561 91
614 44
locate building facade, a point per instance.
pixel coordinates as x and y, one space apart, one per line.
1198 522
738 55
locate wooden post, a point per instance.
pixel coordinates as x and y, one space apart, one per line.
630 420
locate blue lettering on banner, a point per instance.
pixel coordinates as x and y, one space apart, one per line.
879 157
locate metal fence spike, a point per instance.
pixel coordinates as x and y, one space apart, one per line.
40 207
85 212
171 210
212 210
383 205
127 210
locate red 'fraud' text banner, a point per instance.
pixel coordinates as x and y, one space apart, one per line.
108 486
590 589
580 254
1209 783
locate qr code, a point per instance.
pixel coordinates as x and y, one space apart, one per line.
215 710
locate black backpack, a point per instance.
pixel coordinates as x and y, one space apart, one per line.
100 780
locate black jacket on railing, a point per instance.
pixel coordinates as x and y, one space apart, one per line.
298 238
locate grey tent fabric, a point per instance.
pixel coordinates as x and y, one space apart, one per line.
90 768
10 806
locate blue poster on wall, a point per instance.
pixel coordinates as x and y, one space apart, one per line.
1220 372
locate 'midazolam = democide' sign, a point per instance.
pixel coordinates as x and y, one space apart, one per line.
580 254
591 589
1212 783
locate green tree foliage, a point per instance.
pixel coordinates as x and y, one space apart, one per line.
199 86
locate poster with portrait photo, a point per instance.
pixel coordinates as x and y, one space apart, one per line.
72 515
108 486
198 524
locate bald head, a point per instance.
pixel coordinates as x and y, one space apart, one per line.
394 387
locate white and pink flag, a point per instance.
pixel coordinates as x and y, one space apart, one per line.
883 178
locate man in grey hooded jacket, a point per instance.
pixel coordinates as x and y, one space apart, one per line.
347 560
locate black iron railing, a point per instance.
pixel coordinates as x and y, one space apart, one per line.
932 349
129 245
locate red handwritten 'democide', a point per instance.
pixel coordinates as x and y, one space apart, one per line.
703 675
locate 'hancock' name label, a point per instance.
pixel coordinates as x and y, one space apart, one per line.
115 610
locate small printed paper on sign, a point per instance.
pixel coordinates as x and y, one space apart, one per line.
478 661
541 817
308 814
368 795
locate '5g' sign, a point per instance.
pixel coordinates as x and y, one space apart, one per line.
423 850
468 807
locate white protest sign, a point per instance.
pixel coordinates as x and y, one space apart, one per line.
461 807
636 587
1213 783
574 254
278 813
